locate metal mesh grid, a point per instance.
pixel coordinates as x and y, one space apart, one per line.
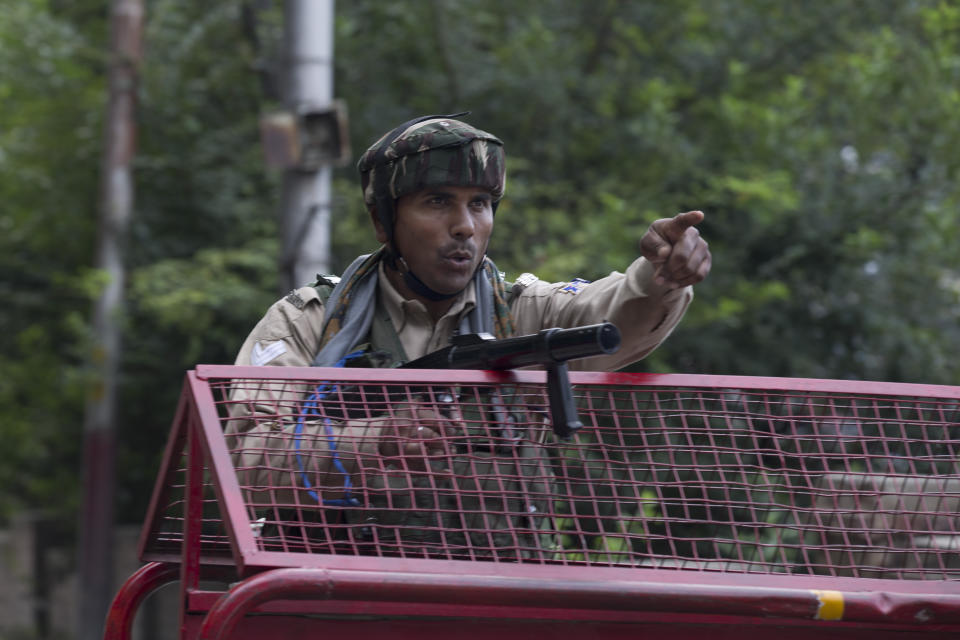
710 479
166 539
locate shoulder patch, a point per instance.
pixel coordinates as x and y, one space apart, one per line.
575 286
521 283
294 298
262 353
303 296
525 280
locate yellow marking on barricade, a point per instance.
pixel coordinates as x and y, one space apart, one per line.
831 605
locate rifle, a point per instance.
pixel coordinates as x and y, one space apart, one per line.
550 348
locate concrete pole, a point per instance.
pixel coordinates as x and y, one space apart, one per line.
305 221
95 553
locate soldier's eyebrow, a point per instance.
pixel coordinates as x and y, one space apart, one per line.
439 192
434 193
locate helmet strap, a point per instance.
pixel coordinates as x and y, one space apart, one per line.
420 287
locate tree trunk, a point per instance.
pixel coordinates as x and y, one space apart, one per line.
99 429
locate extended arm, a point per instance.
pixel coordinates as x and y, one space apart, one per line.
646 302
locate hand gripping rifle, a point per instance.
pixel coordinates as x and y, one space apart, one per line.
550 348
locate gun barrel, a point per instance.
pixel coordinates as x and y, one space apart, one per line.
583 342
548 347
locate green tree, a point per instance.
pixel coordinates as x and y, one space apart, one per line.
820 138
49 150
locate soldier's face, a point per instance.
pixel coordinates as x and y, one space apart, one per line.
442 233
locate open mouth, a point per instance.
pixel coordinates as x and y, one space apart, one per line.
459 258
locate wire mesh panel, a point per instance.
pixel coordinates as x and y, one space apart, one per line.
771 481
737 475
162 536
164 541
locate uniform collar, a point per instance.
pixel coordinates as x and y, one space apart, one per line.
403 310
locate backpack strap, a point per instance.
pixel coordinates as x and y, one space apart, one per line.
384 337
324 286
383 347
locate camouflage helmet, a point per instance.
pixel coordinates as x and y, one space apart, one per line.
429 151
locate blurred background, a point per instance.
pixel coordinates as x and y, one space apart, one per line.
820 138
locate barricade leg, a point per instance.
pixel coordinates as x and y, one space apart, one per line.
142 583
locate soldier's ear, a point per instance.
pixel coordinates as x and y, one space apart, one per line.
378 226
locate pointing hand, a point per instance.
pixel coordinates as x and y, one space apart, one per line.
674 245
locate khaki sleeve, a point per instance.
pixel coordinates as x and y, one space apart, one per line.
283 460
288 335
644 312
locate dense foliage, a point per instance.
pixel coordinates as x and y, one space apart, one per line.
820 138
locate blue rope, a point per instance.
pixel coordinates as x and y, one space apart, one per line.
310 408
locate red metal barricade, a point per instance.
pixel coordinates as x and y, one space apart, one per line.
686 503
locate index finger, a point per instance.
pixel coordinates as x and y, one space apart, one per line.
673 228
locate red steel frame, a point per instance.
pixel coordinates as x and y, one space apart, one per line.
367 596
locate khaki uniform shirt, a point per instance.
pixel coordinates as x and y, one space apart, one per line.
267 454
289 333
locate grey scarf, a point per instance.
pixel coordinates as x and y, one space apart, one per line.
358 318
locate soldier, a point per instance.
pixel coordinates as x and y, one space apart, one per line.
432 186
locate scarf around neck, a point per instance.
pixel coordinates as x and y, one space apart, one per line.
350 308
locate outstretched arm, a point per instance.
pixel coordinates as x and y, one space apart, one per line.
646 302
